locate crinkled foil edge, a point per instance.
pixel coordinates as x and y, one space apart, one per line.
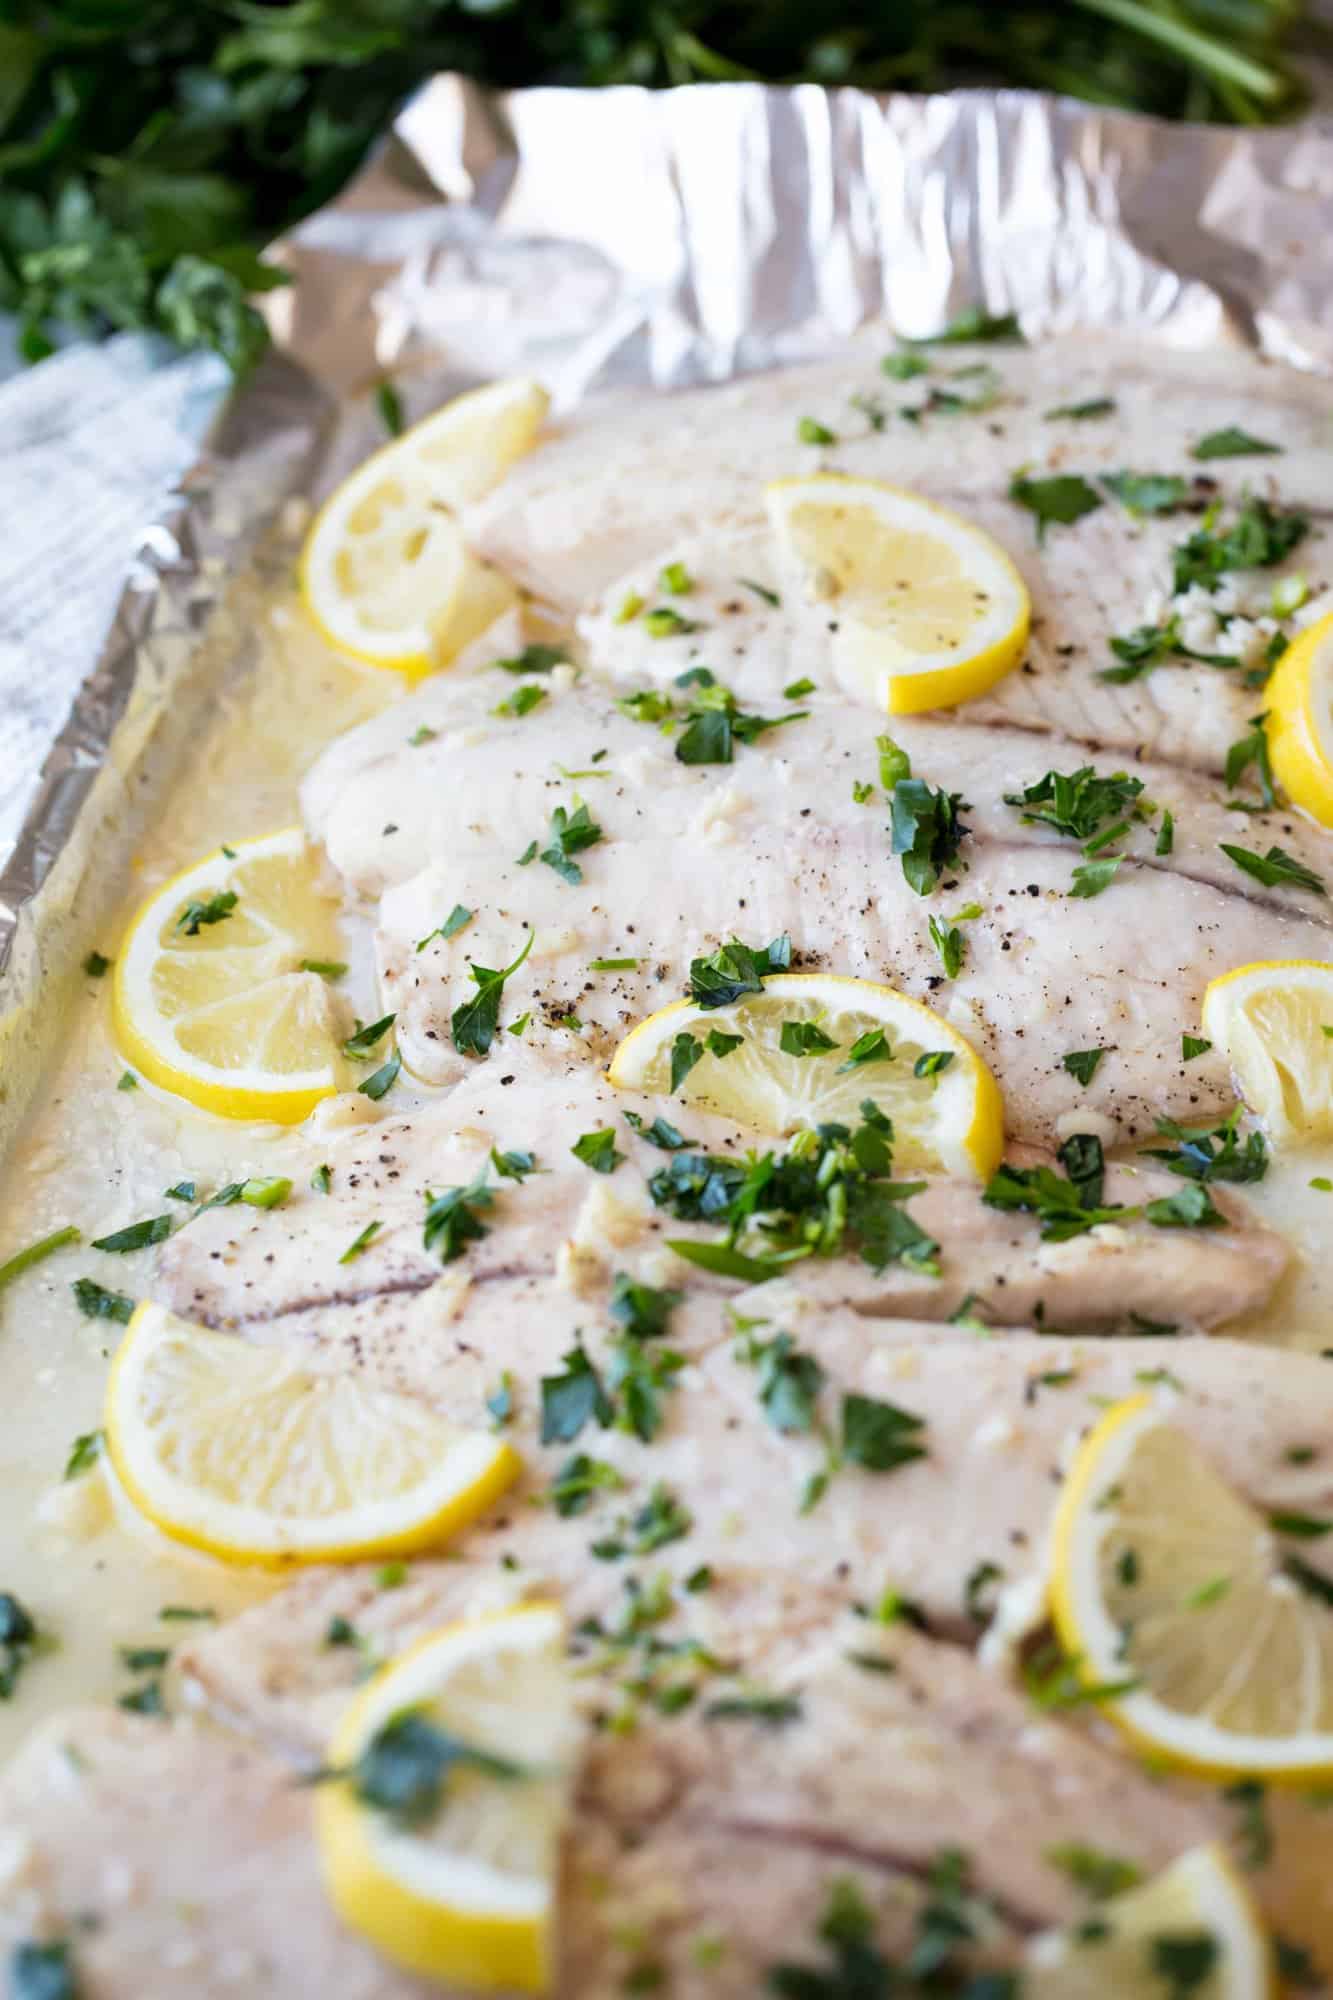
131 722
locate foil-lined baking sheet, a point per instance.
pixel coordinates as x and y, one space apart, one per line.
630 238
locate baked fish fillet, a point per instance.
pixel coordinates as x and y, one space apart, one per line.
554 1242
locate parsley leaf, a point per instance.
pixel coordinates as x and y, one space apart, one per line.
534 659
1214 1154
1252 749
927 831
135 1236
598 1150
1082 1063
879 1436
1230 442
1077 803
573 1398
1067 1207
1091 877
404 1770
1259 537
571 833
95 1302
473 1024
1095 406
1276 869
1147 492
1063 499
736 969
197 914
453 1218
804 1038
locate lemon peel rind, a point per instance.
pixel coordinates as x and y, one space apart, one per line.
156 1501
485 1950
1090 1639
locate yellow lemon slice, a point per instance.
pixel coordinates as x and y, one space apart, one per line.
1299 700
384 572
858 1040
242 1451
452 1872
1193 1927
1274 1023
210 996
929 611
1168 1585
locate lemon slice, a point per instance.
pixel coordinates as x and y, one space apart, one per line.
929 611
1194 1919
951 1117
384 572
210 1000
242 1451
1299 700
1166 1582
465 1895
1273 1021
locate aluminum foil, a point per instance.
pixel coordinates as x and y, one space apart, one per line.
625 238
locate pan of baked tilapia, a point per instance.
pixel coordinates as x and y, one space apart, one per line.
676 1263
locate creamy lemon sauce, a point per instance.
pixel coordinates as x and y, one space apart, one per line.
95 1578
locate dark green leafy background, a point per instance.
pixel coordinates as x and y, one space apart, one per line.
149 147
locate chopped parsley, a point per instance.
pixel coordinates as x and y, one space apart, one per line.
382 1081
903 366
642 1310
870 1047
1216 1153
534 659
736 969
500 1402
321 1180
661 1519
809 431
761 590
659 1133
453 1218
96 966
361 1044
666 623
42 1972
1091 877
573 1398
579 1479
1147 492
1062 499
714 722
949 941
927 831
361 1243
197 914
1192 1046
772 1709
1276 869
1259 537
972 323
1082 1063
18 1639
804 1038
84 1453
1231 442
1252 749
1079 804
1095 406
526 696
458 919
1099 1874
423 733
404 1770
571 833
326 968
931 1061
832 1189
389 404
1191 1208
598 1150
473 1024
1067 1205
1254 1834
95 1302
613 965
144 1700
135 1236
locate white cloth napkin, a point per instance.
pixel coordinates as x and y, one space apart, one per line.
90 443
